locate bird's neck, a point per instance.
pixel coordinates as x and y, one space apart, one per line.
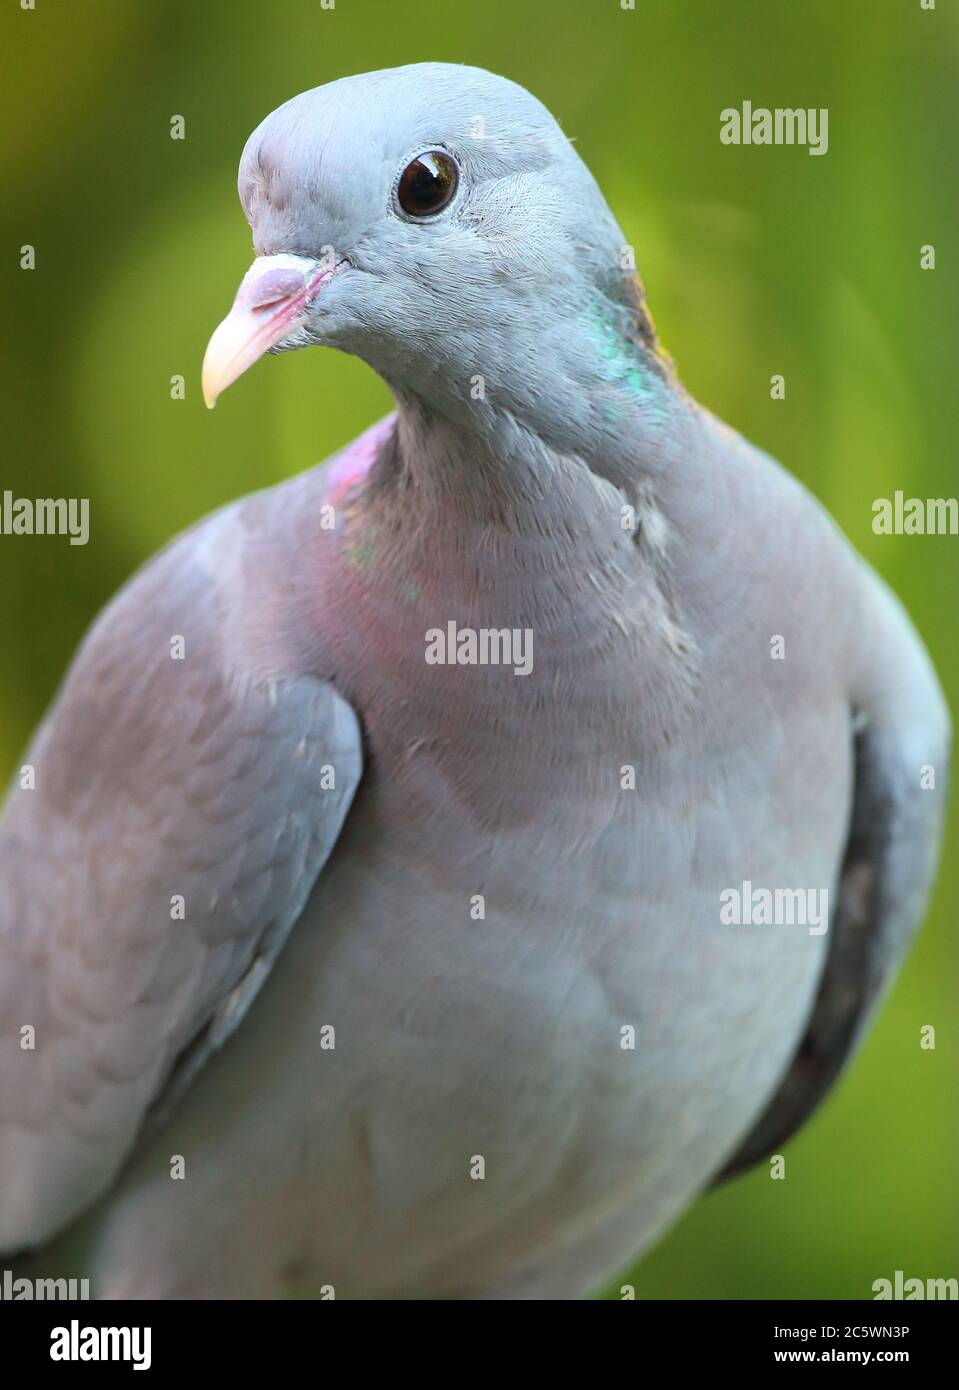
506 499
449 527
588 389
494 458
515 500
552 448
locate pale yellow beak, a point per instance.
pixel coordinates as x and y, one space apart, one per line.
269 305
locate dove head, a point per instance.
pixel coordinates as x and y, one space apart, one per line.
435 221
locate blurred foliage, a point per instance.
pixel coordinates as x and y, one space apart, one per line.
756 260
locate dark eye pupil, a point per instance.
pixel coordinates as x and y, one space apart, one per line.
427 184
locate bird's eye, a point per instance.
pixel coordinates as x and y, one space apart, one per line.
427 184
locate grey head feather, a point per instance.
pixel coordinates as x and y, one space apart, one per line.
523 280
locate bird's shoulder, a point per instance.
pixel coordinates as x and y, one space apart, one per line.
189 783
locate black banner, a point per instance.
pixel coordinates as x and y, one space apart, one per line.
223 1338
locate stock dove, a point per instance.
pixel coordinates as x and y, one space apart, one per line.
382 862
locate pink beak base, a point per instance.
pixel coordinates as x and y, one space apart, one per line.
268 306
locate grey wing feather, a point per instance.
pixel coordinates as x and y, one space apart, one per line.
180 816
885 879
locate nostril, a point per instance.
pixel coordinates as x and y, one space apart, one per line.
270 288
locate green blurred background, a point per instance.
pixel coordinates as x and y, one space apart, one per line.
756 260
